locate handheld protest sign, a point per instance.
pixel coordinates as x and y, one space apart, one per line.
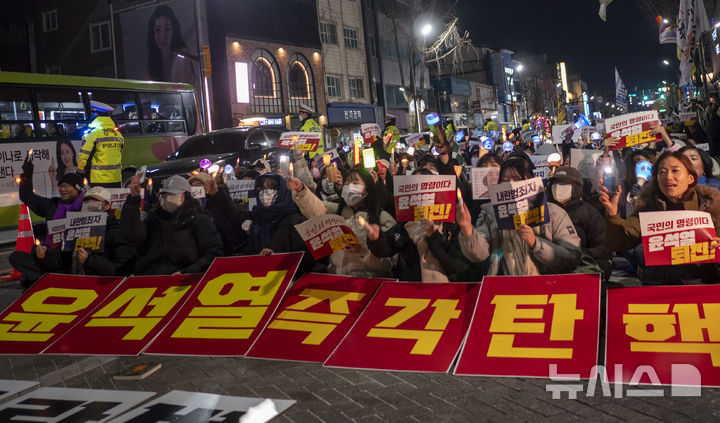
240 189
633 128
85 230
326 234
518 203
420 197
482 178
305 141
369 132
677 237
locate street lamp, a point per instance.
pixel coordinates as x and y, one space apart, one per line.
665 61
664 83
426 29
519 67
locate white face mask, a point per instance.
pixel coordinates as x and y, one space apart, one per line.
92 206
267 197
562 192
171 202
353 194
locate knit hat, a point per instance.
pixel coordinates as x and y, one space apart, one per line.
568 175
73 179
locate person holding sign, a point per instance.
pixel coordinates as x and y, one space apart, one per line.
549 248
176 237
672 186
358 199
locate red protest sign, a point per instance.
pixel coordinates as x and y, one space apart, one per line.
326 234
654 333
522 325
677 237
230 306
305 141
425 196
632 128
49 309
688 118
409 327
128 319
314 316
369 131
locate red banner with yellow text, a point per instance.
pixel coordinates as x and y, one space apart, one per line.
409 326
49 309
652 332
677 237
130 318
425 196
305 141
230 306
314 316
326 234
633 128
524 324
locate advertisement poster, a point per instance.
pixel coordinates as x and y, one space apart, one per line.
664 335
518 203
230 306
677 237
305 141
409 326
481 178
369 132
315 315
49 309
129 318
425 196
240 189
85 230
326 234
522 325
633 128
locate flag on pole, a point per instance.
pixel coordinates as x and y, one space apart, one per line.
603 9
667 31
692 21
620 92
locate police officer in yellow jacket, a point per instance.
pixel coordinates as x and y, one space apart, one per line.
308 124
100 156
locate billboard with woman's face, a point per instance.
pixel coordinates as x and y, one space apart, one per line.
159 43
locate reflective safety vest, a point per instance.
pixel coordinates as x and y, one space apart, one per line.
101 152
392 129
526 127
309 125
491 126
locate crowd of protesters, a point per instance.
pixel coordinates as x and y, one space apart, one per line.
170 232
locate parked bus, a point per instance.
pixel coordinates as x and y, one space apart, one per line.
50 114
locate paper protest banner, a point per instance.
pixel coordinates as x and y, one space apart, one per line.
557 133
128 319
677 237
326 234
314 316
230 306
12 156
632 128
425 196
409 327
703 147
517 203
9 387
688 118
85 230
56 230
118 197
542 170
657 333
305 141
481 178
49 309
522 325
415 140
584 161
369 131
197 193
239 189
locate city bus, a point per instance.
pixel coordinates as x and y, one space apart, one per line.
50 114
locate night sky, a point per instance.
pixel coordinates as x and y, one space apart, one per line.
572 31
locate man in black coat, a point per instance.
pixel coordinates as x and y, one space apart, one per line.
176 237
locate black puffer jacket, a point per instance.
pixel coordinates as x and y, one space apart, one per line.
590 227
119 256
185 240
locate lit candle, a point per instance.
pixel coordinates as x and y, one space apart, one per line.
458 170
290 170
326 159
85 181
459 195
149 183
37 242
363 222
30 152
17 179
214 175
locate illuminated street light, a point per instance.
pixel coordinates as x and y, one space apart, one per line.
607 104
559 85
665 61
664 83
519 67
426 29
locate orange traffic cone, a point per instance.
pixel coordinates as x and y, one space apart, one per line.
25 239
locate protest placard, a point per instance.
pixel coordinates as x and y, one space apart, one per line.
557 134
118 197
517 203
677 237
632 128
415 140
656 334
197 193
703 146
425 196
688 118
239 189
542 170
85 230
326 234
481 178
524 324
369 131
305 141
56 229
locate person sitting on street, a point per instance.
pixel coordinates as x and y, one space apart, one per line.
176 237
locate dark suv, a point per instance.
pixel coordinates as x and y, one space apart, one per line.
221 147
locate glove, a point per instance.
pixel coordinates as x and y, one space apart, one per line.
28 167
